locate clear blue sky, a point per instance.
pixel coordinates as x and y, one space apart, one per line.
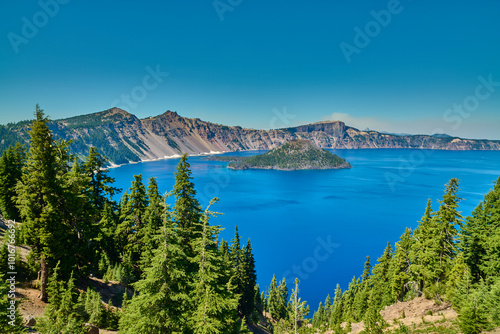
267 64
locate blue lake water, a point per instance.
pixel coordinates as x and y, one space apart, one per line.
320 225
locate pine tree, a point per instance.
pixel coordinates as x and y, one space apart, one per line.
106 235
62 314
97 314
11 164
132 222
298 309
448 218
473 316
363 292
247 304
399 271
348 299
100 183
492 303
215 304
162 293
318 317
381 285
278 295
435 243
79 217
421 253
455 277
337 310
480 237
328 308
373 320
152 218
187 210
41 200
241 271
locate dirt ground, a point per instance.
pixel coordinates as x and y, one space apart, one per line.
416 312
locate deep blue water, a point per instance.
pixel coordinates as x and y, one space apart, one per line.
320 225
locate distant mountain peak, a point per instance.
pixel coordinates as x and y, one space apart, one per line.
123 137
116 110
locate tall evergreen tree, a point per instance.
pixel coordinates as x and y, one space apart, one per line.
337 311
363 292
132 221
381 279
348 299
399 271
480 237
106 233
278 295
318 319
214 303
152 219
100 183
421 252
187 210
446 219
247 301
41 199
11 164
162 292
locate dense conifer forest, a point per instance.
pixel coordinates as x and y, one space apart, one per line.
178 276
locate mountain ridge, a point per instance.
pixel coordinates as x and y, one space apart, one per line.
125 138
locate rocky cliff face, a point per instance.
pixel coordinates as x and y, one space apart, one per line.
123 138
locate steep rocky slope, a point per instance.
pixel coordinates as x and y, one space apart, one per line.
125 138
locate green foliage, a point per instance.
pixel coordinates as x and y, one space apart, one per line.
162 292
242 264
187 209
472 318
214 302
399 271
47 201
11 320
188 282
277 299
296 154
129 231
480 237
436 260
63 314
336 309
11 164
382 279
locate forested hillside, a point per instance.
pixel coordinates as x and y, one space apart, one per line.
183 279
447 258
123 138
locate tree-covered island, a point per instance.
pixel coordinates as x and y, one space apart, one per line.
294 155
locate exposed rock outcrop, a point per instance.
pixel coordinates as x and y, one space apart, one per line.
123 137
